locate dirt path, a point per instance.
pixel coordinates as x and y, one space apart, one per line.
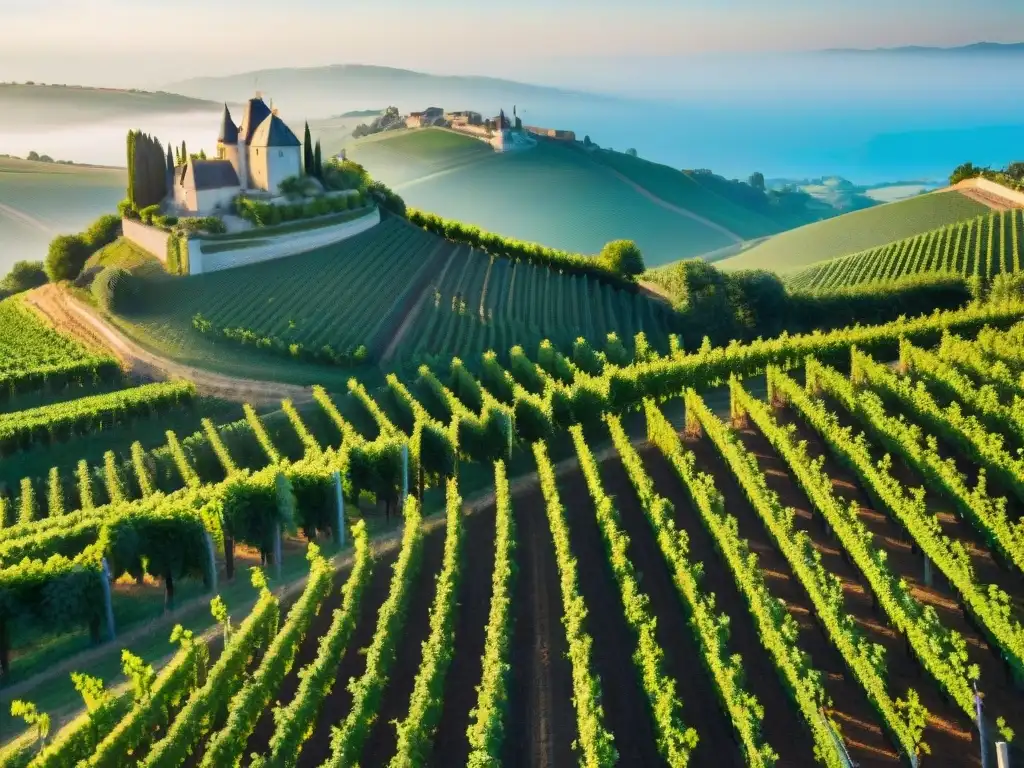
991 194
71 316
672 207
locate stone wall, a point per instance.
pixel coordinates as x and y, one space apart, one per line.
150 239
270 247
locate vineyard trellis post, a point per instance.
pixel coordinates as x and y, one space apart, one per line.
213 562
405 473
1003 754
339 523
927 571
107 604
981 725
841 747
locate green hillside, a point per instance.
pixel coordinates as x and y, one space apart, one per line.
855 232
41 200
551 194
287 319
705 195
984 246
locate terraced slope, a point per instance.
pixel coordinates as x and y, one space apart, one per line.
479 303
856 232
984 247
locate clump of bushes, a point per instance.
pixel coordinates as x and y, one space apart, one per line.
265 214
115 289
68 253
24 276
386 198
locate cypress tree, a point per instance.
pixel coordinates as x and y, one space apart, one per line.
308 161
131 167
318 161
170 168
184 154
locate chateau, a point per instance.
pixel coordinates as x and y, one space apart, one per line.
254 156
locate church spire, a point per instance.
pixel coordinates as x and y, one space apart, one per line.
228 130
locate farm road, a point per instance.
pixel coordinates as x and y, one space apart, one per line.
71 316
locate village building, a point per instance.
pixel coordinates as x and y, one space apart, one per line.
252 157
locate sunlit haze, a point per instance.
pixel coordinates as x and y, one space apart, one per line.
144 43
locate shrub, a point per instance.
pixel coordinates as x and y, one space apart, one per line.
148 213
66 257
24 276
386 198
115 289
126 210
623 257
105 230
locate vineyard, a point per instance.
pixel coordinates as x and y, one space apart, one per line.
345 304
34 356
481 303
982 247
659 571
799 249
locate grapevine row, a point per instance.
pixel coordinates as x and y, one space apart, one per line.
596 743
348 738
864 659
990 604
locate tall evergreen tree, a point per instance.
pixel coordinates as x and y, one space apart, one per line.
184 154
170 161
308 161
130 148
318 161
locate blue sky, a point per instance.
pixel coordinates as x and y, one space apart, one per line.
148 42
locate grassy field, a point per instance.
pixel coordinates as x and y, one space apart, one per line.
550 194
127 255
855 232
984 246
41 200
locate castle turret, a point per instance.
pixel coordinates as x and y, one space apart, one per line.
228 146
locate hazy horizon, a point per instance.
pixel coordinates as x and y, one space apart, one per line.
115 43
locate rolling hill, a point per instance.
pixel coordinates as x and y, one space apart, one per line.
396 290
40 200
855 232
562 195
340 88
985 246
45 106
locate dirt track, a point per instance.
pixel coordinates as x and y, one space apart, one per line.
68 314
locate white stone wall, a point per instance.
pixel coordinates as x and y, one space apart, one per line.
272 165
215 200
150 239
265 249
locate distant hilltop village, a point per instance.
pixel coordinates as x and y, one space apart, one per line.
502 133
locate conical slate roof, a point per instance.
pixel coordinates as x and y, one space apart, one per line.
228 131
256 111
273 132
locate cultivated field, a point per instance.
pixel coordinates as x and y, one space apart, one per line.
984 247
856 232
516 194
401 293
481 303
590 610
